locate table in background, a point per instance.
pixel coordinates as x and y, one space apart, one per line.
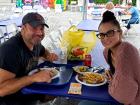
17 20
4 22
89 25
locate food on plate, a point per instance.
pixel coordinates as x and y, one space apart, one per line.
80 69
77 51
55 72
91 78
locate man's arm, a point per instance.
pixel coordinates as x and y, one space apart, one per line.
9 84
126 12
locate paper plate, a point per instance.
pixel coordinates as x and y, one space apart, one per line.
37 70
87 84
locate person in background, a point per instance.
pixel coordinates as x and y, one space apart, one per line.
134 12
18 56
110 7
124 61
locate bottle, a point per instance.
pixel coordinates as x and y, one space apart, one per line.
87 60
63 55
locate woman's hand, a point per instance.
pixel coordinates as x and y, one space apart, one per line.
108 75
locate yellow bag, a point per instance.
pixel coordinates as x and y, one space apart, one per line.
78 43
88 41
73 36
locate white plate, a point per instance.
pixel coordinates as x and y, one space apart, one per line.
36 70
105 81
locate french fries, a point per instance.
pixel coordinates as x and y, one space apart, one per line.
92 78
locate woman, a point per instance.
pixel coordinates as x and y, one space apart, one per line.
124 61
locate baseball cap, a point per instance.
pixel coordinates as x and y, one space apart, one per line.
34 19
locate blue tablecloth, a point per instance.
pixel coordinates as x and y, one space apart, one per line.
99 93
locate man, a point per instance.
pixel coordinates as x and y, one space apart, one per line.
134 12
18 56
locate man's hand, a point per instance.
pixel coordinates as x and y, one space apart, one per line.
49 56
126 12
123 12
42 76
52 57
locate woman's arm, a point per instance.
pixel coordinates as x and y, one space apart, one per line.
124 86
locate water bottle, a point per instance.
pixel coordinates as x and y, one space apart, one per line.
63 55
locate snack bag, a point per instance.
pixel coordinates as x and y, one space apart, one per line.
75 88
77 53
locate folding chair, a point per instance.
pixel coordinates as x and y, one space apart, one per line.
11 30
131 25
2 38
134 30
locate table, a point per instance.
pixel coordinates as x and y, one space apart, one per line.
5 22
89 25
17 20
88 93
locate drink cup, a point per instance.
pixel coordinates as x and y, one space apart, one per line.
63 55
87 60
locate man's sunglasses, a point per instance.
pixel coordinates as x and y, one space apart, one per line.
109 33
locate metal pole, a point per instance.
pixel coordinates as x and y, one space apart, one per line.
85 10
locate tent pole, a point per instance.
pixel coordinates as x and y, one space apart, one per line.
85 10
